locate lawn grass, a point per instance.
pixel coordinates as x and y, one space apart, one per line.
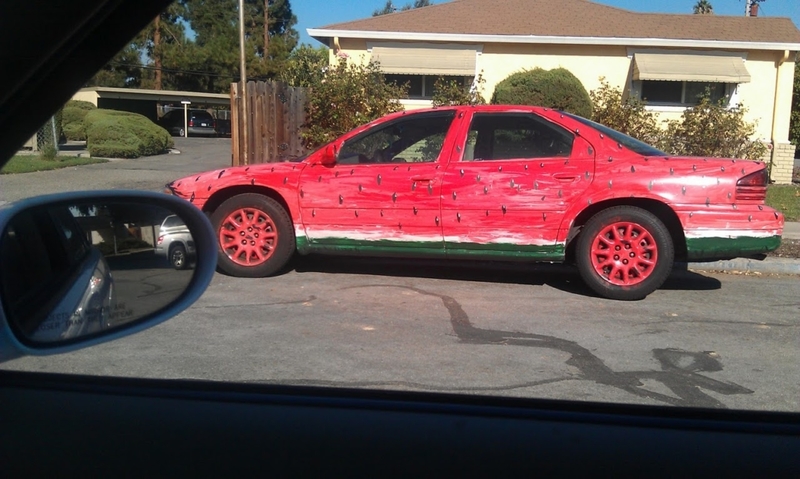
30 163
786 199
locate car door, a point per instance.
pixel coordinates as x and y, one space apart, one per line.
383 194
505 194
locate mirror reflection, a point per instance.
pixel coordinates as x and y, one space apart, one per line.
76 269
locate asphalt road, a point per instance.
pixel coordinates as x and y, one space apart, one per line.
704 340
147 173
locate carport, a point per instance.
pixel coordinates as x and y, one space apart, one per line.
147 102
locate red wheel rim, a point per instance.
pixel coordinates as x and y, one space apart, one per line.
624 253
248 236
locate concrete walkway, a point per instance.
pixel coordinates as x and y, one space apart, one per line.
791 230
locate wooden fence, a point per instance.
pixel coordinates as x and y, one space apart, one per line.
276 114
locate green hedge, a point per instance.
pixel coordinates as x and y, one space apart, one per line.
120 134
72 116
557 88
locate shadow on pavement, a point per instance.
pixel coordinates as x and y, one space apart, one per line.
562 277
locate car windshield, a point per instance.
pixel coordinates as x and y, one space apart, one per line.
628 142
460 245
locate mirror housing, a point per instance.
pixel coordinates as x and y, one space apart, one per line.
68 282
328 155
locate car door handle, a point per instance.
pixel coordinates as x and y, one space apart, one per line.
565 178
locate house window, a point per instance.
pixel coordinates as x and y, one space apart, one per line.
420 87
659 92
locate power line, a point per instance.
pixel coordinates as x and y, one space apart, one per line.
171 70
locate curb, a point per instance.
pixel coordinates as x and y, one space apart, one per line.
769 265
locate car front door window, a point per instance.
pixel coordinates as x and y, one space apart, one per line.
382 196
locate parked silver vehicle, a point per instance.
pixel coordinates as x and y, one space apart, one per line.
175 242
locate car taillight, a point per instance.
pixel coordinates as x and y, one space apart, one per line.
160 239
752 187
191 122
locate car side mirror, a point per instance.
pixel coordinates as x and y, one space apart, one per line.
77 269
329 155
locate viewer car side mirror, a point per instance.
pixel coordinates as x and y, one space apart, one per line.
79 269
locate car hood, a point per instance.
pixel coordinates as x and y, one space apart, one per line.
199 187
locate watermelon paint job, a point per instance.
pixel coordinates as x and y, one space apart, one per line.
456 203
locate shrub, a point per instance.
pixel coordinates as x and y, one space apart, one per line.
794 119
347 96
557 88
305 67
451 92
81 105
706 129
626 115
72 116
713 129
119 134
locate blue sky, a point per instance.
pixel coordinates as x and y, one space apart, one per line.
318 13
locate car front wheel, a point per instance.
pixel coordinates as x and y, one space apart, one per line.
255 236
624 253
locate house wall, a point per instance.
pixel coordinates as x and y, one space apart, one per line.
88 95
587 63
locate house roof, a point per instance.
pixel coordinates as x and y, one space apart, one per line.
565 19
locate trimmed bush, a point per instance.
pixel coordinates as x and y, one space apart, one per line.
72 116
557 88
120 134
81 105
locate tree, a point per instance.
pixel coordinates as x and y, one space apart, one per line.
794 121
390 8
703 7
163 42
124 70
348 95
305 67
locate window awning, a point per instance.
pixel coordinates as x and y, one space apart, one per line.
426 60
699 68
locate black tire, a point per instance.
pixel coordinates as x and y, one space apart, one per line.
181 132
631 269
271 235
178 257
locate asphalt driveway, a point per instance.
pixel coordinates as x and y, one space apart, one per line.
147 173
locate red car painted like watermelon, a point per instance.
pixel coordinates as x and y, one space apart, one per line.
492 182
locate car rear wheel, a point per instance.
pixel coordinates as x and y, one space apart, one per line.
255 236
624 253
177 257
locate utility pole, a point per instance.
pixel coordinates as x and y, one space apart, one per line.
157 50
266 29
243 92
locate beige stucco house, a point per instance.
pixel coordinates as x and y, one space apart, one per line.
666 59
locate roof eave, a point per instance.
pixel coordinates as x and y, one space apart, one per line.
319 34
